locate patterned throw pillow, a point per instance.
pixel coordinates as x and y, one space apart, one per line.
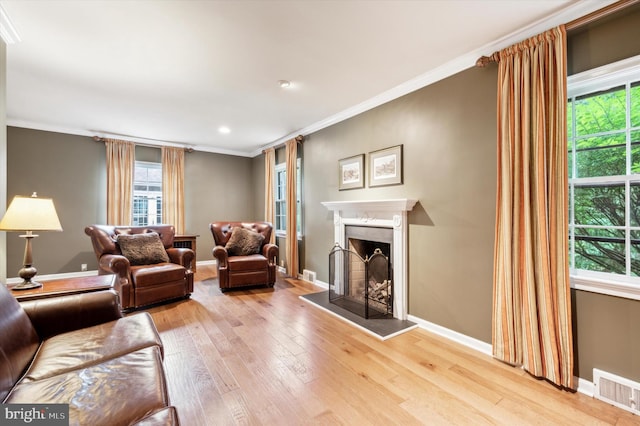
142 249
244 242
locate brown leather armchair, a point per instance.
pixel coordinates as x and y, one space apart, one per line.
167 278
240 270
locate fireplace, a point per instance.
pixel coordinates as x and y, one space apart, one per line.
375 218
360 275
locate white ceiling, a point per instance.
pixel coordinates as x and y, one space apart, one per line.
173 72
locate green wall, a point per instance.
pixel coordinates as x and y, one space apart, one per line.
448 135
71 170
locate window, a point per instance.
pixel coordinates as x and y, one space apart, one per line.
603 127
281 201
147 193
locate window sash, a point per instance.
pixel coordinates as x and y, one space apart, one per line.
147 193
280 225
626 232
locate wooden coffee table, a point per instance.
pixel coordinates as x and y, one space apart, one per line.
66 286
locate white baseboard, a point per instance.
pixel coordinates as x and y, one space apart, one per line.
586 387
463 339
321 284
206 262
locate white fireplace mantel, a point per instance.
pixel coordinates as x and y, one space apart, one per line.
397 205
383 214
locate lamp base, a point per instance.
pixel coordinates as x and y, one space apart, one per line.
27 272
26 285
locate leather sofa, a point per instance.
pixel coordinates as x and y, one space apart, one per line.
79 350
143 284
258 268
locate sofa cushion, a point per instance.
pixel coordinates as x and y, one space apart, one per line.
142 249
87 346
248 263
244 242
151 276
118 391
18 341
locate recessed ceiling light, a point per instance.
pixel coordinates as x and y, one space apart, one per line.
224 129
284 83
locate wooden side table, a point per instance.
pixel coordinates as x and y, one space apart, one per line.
66 286
187 241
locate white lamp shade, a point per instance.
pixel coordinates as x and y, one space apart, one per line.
30 214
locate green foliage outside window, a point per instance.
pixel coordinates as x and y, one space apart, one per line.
604 168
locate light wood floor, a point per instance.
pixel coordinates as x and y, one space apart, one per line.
265 357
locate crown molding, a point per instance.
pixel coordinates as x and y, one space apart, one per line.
8 32
140 141
450 68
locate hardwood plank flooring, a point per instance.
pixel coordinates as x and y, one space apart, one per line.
264 357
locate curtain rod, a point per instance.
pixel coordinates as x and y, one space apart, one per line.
100 139
483 61
298 139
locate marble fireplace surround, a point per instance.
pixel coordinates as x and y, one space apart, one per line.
381 214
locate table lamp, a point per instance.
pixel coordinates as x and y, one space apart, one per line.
30 214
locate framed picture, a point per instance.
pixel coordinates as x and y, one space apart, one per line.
385 166
351 172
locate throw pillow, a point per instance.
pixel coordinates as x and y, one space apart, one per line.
142 249
244 242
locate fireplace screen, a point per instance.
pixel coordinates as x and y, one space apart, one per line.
361 285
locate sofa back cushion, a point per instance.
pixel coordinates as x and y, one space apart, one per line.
104 237
18 341
222 231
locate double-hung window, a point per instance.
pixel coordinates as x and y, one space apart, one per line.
281 200
603 127
147 193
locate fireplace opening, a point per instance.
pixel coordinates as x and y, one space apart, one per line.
361 274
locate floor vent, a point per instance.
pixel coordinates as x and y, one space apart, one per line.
616 390
308 275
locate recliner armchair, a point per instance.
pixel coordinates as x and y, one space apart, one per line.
250 261
157 271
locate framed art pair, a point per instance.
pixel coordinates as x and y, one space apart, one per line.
385 168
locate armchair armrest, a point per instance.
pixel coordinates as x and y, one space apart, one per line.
181 256
56 315
221 255
270 251
115 264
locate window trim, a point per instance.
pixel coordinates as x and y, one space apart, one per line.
148 165
594 80
283 167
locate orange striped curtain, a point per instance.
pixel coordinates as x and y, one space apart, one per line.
291 199
269 184
173 187
532 303
120 165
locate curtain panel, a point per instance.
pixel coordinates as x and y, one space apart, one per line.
292 213
173 187
269 185
532 303
120 165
